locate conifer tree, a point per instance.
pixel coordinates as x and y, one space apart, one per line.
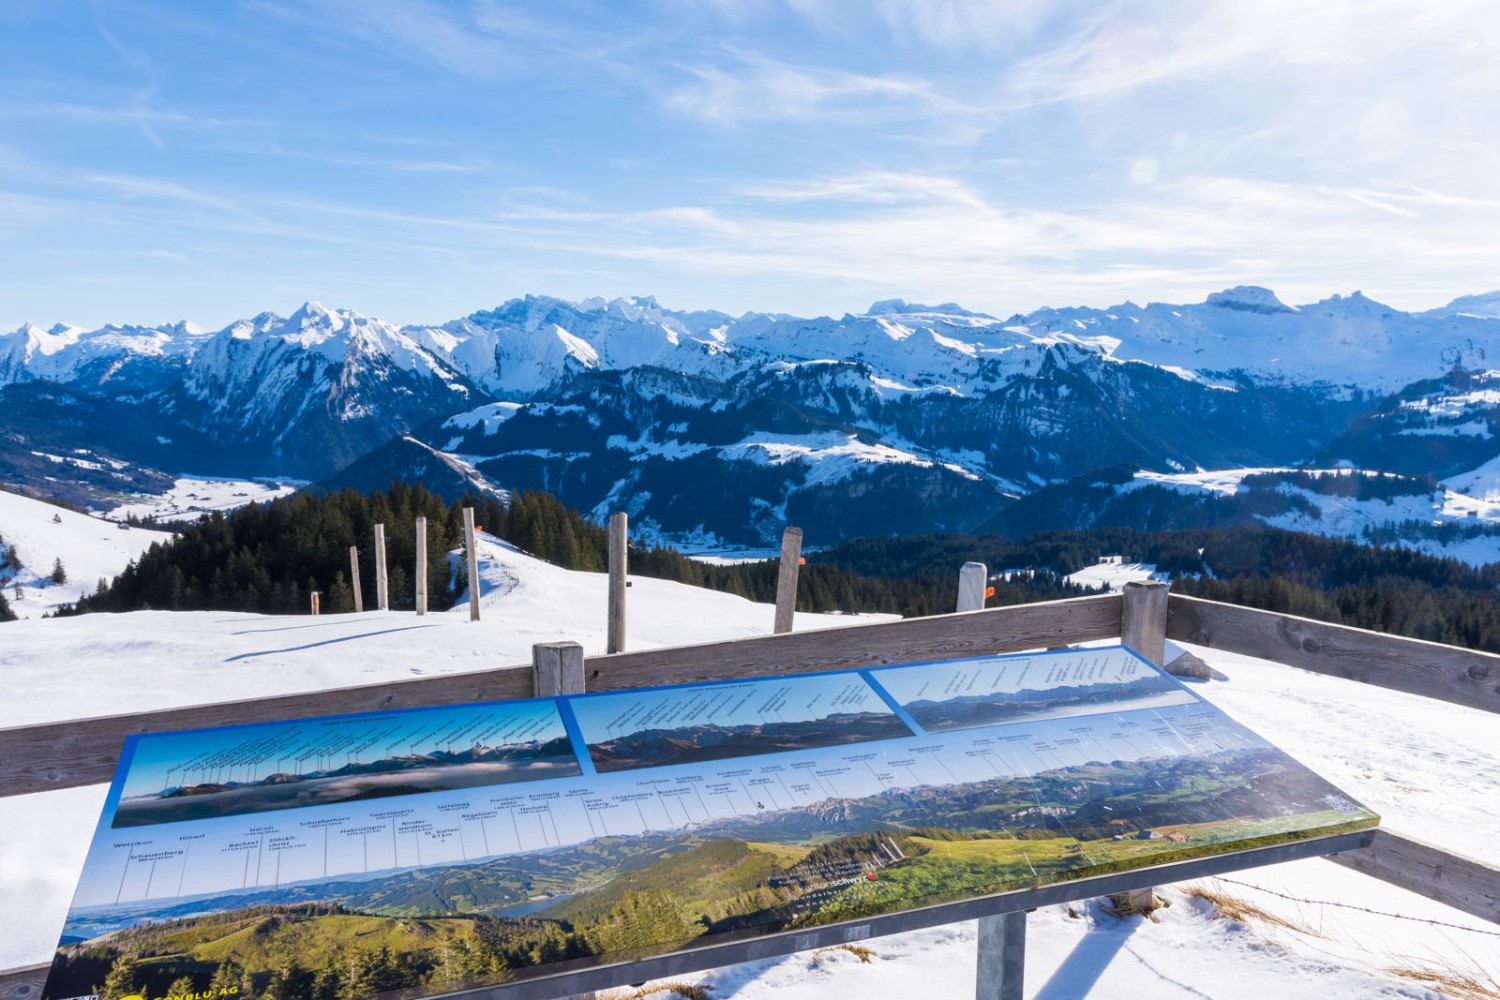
121 980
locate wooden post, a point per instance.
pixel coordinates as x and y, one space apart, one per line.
557 668
1143 619
313 600
973 578
471 556
421 581
382 592
1143 627
359 594
1002 957
786 580
619 555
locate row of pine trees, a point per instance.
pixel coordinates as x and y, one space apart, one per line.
268 557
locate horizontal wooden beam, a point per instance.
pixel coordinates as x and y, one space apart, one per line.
65 754
910 640
1460 676
1460 882
23 984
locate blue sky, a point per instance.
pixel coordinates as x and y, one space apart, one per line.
417 161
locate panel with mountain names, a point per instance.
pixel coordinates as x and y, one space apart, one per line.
430 850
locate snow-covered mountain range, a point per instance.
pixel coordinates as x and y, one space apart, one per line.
906 417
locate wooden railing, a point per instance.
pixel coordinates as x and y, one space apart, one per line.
62 755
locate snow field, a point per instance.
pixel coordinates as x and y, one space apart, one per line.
89 548
194 495
1432 770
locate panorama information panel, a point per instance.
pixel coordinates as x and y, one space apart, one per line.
423 851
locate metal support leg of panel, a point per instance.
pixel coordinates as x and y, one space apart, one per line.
1002 957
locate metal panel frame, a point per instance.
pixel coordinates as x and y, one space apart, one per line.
713 956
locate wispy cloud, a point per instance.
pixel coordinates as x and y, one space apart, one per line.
966 24
1184 240
745 86
872 188
1119 47
413 30
134 115
793 154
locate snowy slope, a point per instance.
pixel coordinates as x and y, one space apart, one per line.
117 357
59 669
1459 518
90 549
194 495
1354 519
962 408
1395 752
1341 340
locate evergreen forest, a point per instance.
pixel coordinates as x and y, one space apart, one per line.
268 557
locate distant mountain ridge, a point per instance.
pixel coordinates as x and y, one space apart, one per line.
692 744
906 417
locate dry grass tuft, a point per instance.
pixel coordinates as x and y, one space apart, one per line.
859 951
1137 902
1233 908
1462 985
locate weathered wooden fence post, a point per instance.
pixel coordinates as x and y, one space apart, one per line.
312 599
382 593
557 668
973 580
1143 619
359 594
1143 627
786 579
619 555
1002 937
421 581
471 556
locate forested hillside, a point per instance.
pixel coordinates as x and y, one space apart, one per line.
269 557
1389 589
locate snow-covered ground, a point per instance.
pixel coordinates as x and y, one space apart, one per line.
1468 501
1432 770
41 534
194 495
1112 572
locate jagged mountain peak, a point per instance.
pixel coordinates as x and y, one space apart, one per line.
1485 305
28 331
314 313
901 307
631 307
1249 298
1356 303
